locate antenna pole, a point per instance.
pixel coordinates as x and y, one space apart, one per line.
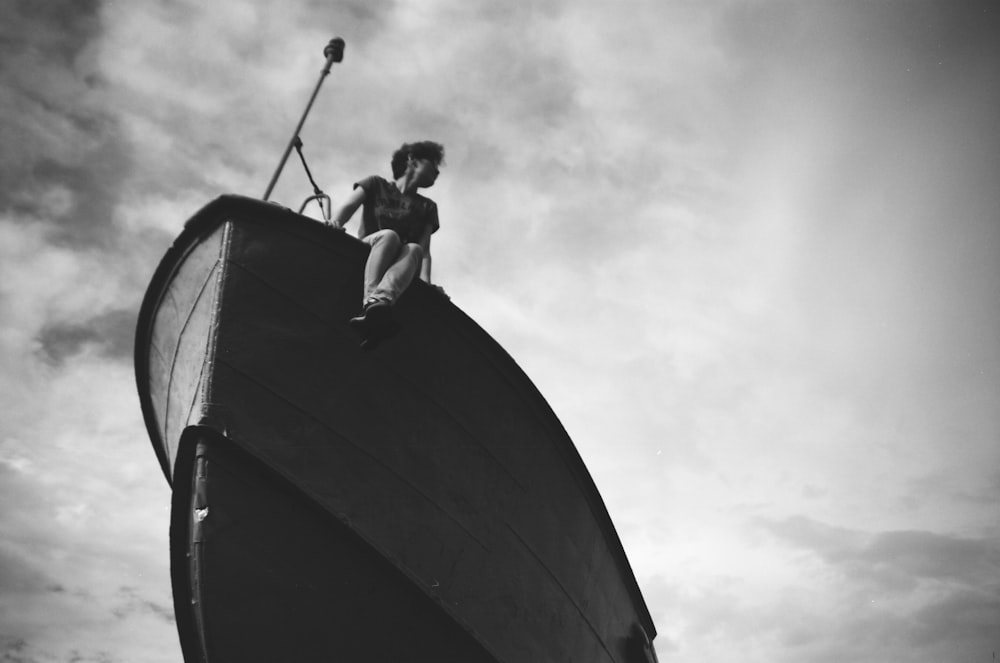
334 52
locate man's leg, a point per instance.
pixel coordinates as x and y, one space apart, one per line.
400 274
385 247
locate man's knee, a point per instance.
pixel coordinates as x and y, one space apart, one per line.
415 250
388 237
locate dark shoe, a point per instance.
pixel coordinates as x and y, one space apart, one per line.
375 323
375 312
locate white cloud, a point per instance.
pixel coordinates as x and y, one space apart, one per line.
89 520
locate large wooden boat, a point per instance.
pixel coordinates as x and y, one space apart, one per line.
417 502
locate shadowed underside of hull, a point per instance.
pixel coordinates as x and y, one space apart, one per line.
330 499
270 577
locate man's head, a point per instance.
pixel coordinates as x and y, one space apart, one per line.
432 152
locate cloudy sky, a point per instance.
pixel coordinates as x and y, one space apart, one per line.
749 251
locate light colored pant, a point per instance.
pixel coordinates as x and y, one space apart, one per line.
391 265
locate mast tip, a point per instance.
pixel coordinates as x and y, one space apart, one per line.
334 51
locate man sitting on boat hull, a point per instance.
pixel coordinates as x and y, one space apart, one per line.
397 223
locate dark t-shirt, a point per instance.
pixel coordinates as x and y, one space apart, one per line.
386 208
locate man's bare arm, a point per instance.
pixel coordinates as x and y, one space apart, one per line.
347 210
425 266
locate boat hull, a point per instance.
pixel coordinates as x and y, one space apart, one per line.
433 458
263 574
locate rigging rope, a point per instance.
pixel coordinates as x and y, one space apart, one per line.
319 196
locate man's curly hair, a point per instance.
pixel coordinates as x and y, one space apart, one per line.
421 150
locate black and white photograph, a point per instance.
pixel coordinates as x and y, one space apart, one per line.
471 331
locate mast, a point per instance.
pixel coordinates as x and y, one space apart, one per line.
334 52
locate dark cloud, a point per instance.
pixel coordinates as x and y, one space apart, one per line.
949 623
63 158
97 657
353 20
15 650
896 560
939 485
18 576
925 555
111 333
878 61
130 603
826 541
950 587
68 610
480 160
922 31
59 28
936 32
966 622
94 185
535 91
